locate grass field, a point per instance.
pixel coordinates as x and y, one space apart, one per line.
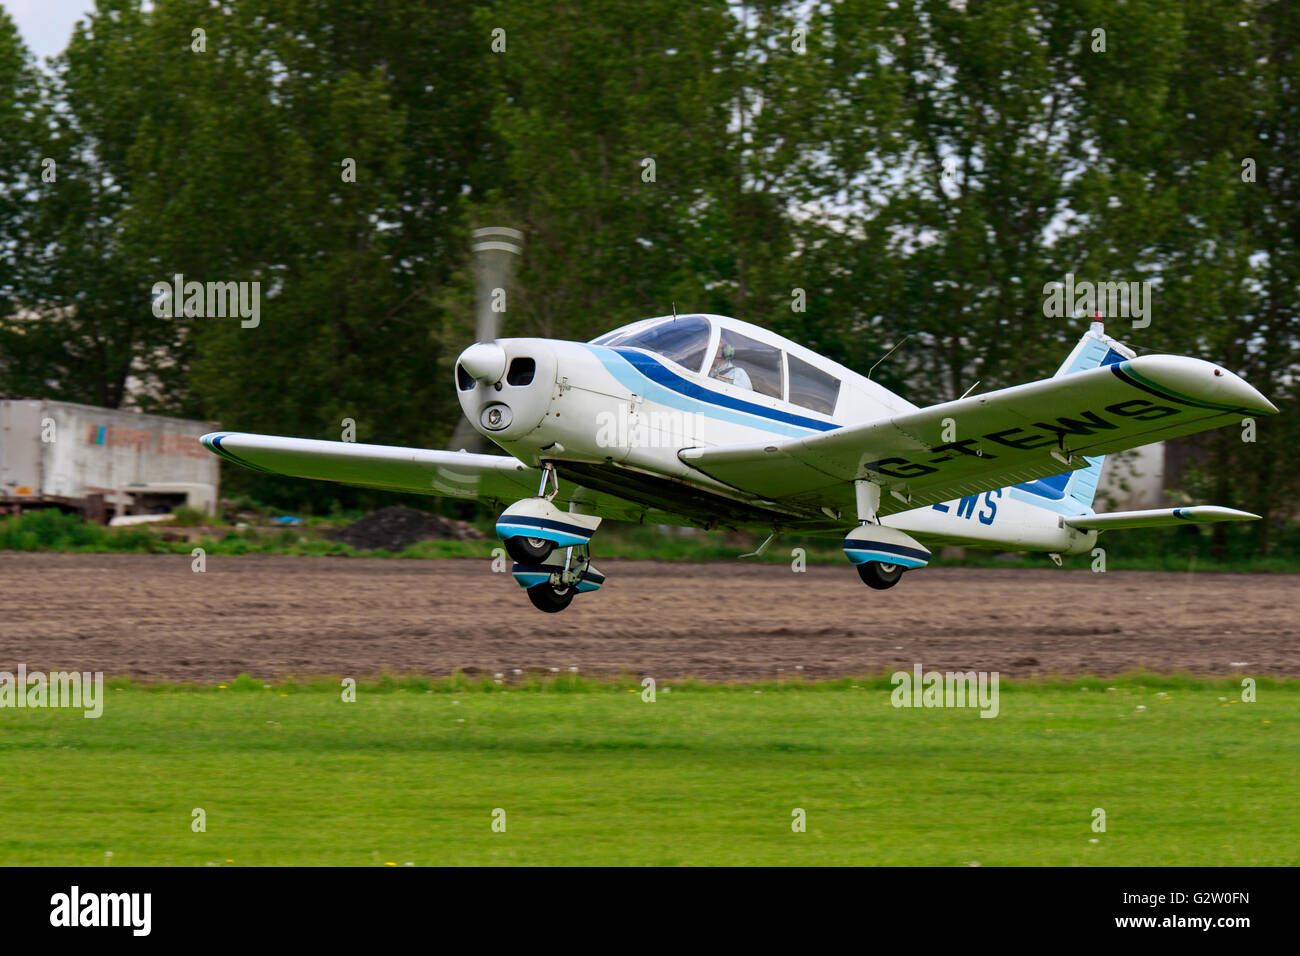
588 773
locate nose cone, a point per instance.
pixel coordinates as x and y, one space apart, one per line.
505 387
484 361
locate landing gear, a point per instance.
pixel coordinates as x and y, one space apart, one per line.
549 546
878 575
880 553
547 597
529 550
552 584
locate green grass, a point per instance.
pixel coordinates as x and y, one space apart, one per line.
1157 549
589 774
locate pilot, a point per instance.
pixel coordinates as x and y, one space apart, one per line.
725 370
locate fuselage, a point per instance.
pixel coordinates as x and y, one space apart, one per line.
614 413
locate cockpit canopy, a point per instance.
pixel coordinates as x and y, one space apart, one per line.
683 340
738 359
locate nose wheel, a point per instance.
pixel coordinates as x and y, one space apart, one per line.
528 550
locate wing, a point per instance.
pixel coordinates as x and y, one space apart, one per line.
990 441
497 479
417 470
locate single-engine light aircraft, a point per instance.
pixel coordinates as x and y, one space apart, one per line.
710 421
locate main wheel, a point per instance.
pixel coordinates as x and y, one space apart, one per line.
529 550
880 576
552 600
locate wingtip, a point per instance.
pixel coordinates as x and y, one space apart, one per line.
1185 377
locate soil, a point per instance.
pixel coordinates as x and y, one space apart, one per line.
397 528
150 617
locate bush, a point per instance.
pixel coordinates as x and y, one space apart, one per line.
49 530
188 517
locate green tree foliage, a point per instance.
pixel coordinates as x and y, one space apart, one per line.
20 117
848 174
81 276
1195 188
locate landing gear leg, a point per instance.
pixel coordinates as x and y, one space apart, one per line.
868 499
549 477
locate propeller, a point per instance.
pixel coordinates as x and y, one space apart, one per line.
496 251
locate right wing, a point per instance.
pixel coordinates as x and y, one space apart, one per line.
495 479
929 455
417 470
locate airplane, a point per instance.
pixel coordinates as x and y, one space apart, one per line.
706 420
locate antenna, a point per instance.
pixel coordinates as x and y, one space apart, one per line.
889 353
674 311
969 390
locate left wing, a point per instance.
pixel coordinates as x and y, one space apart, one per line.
984 442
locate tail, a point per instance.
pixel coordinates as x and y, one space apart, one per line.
1095 349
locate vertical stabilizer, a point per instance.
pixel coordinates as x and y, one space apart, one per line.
1095 349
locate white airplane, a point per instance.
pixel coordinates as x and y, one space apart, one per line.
706 420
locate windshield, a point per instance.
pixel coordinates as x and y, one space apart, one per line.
683 340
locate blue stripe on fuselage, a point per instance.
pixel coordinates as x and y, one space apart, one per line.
645 376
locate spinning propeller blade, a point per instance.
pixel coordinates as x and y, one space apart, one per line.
496 250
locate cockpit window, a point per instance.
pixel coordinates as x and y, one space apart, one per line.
811 387
747 363
683 340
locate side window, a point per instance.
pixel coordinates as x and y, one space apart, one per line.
812 388
746 363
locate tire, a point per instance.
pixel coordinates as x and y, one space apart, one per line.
529 550
880 576
547 598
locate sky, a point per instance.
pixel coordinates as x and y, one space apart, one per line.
46 25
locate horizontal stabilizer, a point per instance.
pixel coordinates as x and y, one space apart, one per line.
1158 517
